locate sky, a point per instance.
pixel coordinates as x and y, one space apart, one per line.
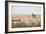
24 10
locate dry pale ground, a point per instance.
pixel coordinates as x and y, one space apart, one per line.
26 21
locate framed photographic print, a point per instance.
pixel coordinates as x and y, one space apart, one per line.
22 16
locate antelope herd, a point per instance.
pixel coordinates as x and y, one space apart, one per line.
26 21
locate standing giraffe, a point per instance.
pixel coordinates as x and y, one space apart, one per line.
33 15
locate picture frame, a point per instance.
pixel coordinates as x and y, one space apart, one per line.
24 6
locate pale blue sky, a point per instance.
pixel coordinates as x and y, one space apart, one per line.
21 10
